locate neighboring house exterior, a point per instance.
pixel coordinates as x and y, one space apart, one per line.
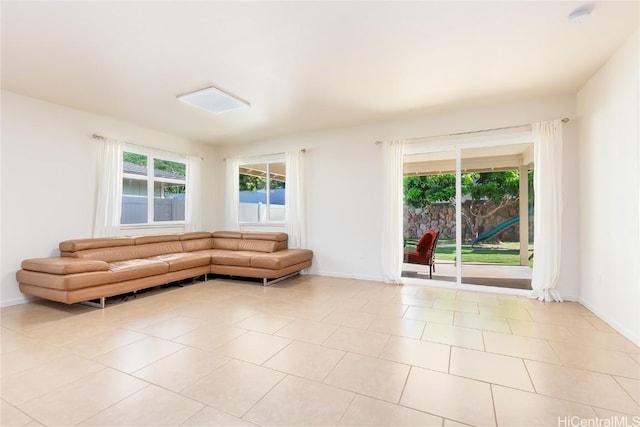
169 198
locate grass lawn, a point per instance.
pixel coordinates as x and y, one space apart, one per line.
502 253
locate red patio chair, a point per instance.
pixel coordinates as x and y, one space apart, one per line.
424 253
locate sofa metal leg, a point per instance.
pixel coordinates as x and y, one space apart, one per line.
101 304
266 282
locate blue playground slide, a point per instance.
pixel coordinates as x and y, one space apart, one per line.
498 228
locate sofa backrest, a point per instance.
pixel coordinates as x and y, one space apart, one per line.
130 252
69 246
250 241
124 248
113 249
196 241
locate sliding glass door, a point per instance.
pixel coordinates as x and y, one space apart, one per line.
430 199
495 215
477 195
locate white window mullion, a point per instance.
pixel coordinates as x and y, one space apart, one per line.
268 195
458 216
150 184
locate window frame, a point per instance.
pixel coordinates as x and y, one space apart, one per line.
150 180
268 160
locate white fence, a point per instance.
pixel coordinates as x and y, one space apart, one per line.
257 212
134 210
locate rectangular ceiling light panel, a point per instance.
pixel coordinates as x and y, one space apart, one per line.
213 100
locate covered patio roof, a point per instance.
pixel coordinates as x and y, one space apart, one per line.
277 171
477 159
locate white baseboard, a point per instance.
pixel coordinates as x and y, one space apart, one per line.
572 298
15 301
630 335
347 275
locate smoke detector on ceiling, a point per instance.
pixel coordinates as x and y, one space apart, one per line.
579 16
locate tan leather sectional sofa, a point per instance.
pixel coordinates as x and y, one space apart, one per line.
93 269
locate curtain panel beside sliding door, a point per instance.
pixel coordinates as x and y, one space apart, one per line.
392 235
547 139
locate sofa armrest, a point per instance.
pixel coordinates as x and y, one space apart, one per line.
64 265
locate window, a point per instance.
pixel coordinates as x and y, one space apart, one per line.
262 192
164 183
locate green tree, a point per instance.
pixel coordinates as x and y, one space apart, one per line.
255 183
136 159
168 166
252 183
502 188
161 165
422 190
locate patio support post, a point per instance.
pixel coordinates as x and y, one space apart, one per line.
524 215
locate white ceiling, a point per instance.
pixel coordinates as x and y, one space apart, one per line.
303 66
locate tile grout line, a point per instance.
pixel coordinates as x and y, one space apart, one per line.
346 409
404 386
526 368
493 405
624 389
262 397
113 404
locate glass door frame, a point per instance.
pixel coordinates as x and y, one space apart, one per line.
457 144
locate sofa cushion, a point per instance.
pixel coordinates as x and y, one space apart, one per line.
64 265
183 260
281 259
237 258
118 272
135 268
161 248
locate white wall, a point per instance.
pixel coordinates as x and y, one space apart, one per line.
48 178
609 186
345 170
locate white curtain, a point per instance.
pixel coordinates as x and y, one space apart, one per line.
392 239
109 191
547 184
232 199
295 212
193 207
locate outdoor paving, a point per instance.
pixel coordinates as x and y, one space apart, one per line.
510 276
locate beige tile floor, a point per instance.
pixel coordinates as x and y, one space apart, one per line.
315 351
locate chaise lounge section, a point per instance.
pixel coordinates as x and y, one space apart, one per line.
93 269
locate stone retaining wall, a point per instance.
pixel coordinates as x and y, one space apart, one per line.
442 217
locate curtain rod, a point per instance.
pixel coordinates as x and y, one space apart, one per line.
302 150
565 120
175 153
